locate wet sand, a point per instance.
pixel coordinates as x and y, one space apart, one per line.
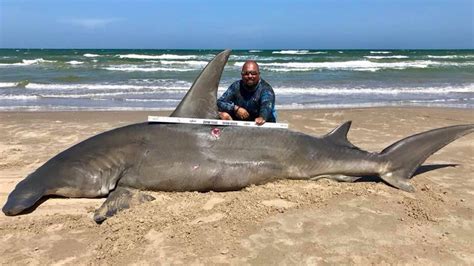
286 222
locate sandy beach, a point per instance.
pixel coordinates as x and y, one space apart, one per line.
286 222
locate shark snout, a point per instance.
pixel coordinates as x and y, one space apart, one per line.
23 197
10 209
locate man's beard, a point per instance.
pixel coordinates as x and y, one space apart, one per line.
250 87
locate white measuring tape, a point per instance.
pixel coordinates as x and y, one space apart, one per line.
199 121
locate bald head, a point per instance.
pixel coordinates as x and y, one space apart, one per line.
250 64
250 73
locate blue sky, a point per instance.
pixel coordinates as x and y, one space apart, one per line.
277 24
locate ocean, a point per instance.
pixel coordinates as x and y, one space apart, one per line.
112 79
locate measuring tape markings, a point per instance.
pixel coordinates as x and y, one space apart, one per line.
186 120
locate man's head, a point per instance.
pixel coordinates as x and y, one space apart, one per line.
250 73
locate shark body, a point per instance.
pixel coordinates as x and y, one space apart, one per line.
123 162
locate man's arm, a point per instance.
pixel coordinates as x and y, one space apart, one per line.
267 103
225 103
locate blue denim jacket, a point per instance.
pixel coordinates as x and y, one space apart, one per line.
259 102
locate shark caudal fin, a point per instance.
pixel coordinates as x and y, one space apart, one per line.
404 156
201 99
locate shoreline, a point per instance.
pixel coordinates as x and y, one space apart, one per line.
26 110
289 221
169 110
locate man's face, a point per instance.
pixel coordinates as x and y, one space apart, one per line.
250 74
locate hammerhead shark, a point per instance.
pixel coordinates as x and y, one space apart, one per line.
122 163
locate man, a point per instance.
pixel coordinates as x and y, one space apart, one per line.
250 98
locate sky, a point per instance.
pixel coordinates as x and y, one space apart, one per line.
242 24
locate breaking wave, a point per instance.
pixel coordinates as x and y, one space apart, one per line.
164 56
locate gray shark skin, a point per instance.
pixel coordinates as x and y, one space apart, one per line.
123 162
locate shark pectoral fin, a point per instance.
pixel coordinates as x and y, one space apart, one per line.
398 180
338 178
120 199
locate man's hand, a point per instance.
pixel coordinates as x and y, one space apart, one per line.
224 116
259 121
241 113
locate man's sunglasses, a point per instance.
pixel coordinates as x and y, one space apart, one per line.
246 73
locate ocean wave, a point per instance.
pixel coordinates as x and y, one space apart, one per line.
37 61
74 62
163 56
79 108
450 56
19 97
452 104
356 65
386 57
374 91
91 55
380 52
128 87
20 84
131 68
291 52
152 100
26 62
255 51
7 84
442 100
295 106
250 57
297 52
95 96
191 63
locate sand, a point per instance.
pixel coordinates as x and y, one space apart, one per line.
286 222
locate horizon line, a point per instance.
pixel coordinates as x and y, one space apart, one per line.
236 49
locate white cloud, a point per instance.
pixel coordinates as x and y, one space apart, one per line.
90 23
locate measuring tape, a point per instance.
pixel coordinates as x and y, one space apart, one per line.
199 121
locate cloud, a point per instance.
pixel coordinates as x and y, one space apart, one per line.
90 23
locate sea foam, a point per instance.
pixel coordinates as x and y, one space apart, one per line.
191 63
373 91
28 62
356 65
132 68
91 55
291 52
128 87
74 62
386 57
163 56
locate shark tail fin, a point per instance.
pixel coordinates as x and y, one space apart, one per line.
404 156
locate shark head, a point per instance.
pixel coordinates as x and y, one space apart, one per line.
201 99
23 197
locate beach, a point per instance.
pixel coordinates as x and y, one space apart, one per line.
285 222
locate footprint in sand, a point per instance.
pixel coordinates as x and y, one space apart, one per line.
278 203
212 202
208 219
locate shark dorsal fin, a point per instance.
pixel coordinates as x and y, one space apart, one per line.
339 135
201 99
